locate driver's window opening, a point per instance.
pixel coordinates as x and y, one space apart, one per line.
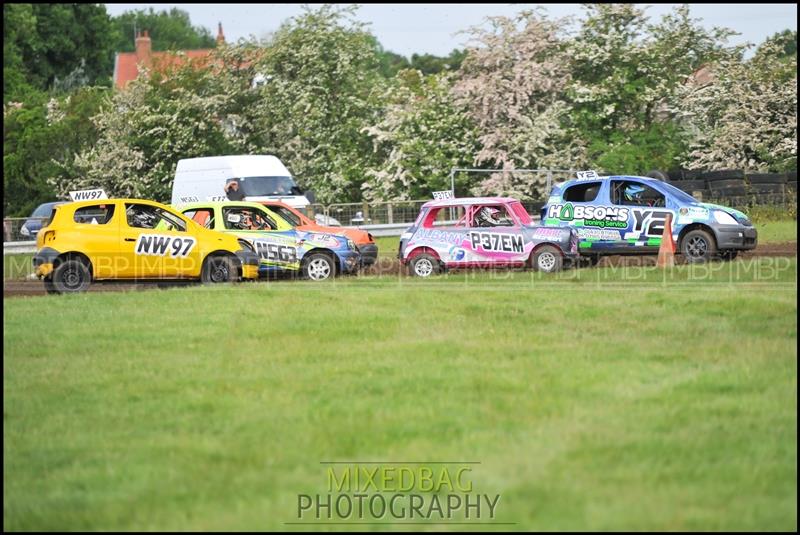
152 217
247 219
491 215
202 216
631 193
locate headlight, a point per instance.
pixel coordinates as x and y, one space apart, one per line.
724 218
351 244
24 231
246 245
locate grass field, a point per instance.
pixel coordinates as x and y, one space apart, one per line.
595 399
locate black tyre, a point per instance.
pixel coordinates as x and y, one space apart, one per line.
725 174
767 178
691 185
318 267
767 188
728 254
715 185
49 287
70 276
698 246
590 260
547 258
424 265
218 269
660 175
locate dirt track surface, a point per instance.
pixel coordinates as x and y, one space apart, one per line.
385 266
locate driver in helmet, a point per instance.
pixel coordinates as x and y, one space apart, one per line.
488 217
633 194
141 217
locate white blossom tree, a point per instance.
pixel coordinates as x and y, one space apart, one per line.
746 116
422 135
513 83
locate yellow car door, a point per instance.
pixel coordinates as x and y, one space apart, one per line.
157 243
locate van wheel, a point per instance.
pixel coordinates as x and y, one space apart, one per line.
548 259
218 269
71 276
318 267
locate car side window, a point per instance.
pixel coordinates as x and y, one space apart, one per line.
202 216
98 214
494 215
445 216
152 217
246 218
582 192
633 193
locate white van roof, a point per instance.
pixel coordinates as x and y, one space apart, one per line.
240 165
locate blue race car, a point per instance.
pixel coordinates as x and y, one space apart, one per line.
626 215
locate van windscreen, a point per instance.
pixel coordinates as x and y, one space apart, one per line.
259 186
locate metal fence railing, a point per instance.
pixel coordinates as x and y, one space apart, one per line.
22 228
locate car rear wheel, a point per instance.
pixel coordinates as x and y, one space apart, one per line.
319 267
424 265
218 269
548 259
70 276
698 246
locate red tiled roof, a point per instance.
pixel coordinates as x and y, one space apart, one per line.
126 67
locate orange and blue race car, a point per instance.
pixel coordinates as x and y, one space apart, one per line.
134 239
281 246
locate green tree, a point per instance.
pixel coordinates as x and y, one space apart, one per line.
322 77
421 136
41 139
430 64
169 30
49 41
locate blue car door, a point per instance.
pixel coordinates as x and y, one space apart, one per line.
585 207
647 209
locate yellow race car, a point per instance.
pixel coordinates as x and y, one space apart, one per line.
134 239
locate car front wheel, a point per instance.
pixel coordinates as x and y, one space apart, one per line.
70 276
698 246
319 267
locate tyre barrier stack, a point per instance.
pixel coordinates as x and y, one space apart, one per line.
734 185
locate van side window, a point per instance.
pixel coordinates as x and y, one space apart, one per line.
582 192
98 214
202 216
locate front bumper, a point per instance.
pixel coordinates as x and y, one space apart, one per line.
736 237
369 254
249 261
349 262
43 261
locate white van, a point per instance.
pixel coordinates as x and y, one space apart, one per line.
260 178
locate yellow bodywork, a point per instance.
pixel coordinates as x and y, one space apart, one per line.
117 246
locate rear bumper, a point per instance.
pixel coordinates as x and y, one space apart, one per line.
736 237
249 260
43 261
369 254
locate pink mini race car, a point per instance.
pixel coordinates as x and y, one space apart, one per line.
483 232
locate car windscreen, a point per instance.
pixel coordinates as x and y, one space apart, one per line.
260 186
291 217
43 210
677 194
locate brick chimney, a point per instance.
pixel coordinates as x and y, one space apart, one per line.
220 35
143 48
